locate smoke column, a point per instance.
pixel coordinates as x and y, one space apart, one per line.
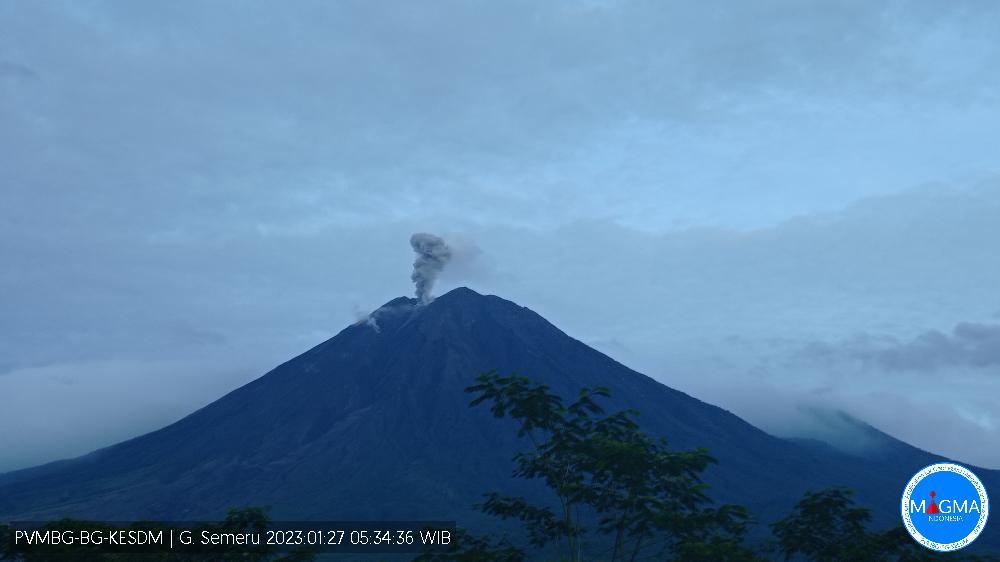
432 255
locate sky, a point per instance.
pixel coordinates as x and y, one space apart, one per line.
782 208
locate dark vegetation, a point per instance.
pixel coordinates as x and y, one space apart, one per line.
620 495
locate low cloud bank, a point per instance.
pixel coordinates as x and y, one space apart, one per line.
968 345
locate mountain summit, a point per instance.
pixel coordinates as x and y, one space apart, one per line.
374 423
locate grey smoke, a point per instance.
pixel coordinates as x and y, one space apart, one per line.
432 255
367 318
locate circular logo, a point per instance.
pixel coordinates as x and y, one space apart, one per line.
945 507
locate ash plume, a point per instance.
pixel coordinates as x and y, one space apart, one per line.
432 255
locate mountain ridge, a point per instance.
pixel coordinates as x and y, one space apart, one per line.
376 418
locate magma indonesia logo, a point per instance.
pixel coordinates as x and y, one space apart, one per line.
945 507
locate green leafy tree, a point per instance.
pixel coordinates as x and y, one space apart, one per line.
824 526
604 471
827 526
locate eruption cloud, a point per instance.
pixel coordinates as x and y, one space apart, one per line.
432 255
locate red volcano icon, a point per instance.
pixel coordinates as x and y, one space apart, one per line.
933 508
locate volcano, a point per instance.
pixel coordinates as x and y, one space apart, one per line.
375 423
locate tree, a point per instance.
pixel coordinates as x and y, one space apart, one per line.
603 470
826 526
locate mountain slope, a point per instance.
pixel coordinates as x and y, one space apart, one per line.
374 424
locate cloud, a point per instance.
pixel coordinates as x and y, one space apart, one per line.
968 345
68 409
530 113
673 301
16 71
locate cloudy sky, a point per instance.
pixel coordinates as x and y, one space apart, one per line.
779 207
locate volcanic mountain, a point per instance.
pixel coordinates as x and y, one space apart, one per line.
375 424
